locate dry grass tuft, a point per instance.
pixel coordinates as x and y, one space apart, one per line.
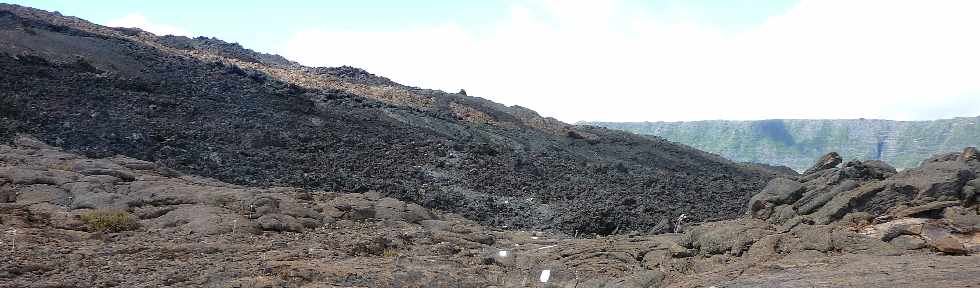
109 220
389 253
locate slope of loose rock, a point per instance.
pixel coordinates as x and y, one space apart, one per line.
205 107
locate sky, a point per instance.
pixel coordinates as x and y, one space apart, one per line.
617 60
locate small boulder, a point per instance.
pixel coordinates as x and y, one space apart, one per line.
264 205
7 193
652 259
389 209
907 226
415 213
816 238
852 242
644 279
720 237
949 245
943 180
678 251
296 209
781 214
970 154
908 242
916 210
772 246
868 170
353 206
280 223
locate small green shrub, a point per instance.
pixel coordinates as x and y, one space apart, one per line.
109 220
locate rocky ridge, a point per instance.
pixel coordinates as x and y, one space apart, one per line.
206 107
858 224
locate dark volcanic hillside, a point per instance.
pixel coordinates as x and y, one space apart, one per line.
216 109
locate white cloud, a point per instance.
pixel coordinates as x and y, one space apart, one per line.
136 20
603 60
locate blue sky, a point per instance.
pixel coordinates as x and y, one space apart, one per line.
265 25
618 60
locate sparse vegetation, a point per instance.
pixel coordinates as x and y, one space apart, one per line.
109 220
62 167
389 253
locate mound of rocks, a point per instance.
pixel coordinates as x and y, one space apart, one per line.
62 186
933 204
46 193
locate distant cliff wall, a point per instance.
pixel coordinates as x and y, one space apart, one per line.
796 143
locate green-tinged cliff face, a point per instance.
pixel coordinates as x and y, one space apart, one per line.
796 143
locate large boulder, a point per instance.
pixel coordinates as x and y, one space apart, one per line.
940 180
845 202
868 170
735 236
815 198
777 192
815 238
962 220
830 160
